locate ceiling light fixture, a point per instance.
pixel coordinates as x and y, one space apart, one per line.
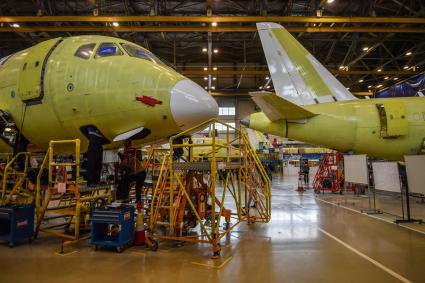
408 53
379 70
406 67
15 25
365 48
215 69
214 24
205 69
204 49
360 81
115 24
386 78
215 50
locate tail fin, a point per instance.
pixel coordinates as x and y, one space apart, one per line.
297 76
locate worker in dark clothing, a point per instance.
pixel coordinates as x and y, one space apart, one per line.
305 169
123 180
138 174
131 170
94 155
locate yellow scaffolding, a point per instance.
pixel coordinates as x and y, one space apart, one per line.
189 201
14 179
65 196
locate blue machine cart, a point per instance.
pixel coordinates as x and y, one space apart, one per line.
112 227
16 223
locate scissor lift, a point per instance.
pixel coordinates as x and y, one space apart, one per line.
189 203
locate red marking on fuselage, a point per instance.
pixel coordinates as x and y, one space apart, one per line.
148 100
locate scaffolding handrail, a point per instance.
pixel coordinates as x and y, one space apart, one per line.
8 171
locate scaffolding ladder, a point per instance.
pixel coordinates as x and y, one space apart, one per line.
65 197
329 176
189 202
14 182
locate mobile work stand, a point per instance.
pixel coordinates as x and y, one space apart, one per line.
65 202
188 203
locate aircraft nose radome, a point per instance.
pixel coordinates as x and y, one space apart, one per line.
191 105
245 121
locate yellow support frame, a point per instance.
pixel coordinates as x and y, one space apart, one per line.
179 183
10 172
75 200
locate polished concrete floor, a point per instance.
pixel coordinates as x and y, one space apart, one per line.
307 240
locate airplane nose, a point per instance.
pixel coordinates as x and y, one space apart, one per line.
191 105
245 121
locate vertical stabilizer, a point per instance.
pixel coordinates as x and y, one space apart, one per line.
297 76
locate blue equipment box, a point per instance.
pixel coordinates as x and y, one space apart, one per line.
17 223
112 227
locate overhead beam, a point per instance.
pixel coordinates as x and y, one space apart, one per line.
201 72
369 29
217 19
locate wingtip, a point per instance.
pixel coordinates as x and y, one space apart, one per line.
267 25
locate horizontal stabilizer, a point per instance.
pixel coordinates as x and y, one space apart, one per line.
277 108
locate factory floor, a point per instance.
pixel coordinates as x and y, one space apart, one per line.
308 240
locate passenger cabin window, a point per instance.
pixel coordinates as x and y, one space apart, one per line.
85 51
135 51
108 49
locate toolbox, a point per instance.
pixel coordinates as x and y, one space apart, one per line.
17 223
112 227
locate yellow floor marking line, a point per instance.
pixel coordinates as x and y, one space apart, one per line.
138 252
372 216
381 266
213 265
66 254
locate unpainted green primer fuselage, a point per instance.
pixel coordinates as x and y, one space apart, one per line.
355 126
73 92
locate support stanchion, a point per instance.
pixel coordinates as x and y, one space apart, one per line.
371 196
405 187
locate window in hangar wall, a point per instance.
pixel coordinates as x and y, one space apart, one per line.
227 111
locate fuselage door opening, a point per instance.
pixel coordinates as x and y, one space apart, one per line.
393 119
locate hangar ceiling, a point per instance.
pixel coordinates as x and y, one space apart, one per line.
369 45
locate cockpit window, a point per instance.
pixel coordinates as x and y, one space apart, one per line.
4 59
85 51
108 49
135 51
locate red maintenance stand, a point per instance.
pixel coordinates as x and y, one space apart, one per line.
329 176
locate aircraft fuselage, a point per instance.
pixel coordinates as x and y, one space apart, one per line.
53 94
357 126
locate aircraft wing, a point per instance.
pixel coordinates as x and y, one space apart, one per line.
277 108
